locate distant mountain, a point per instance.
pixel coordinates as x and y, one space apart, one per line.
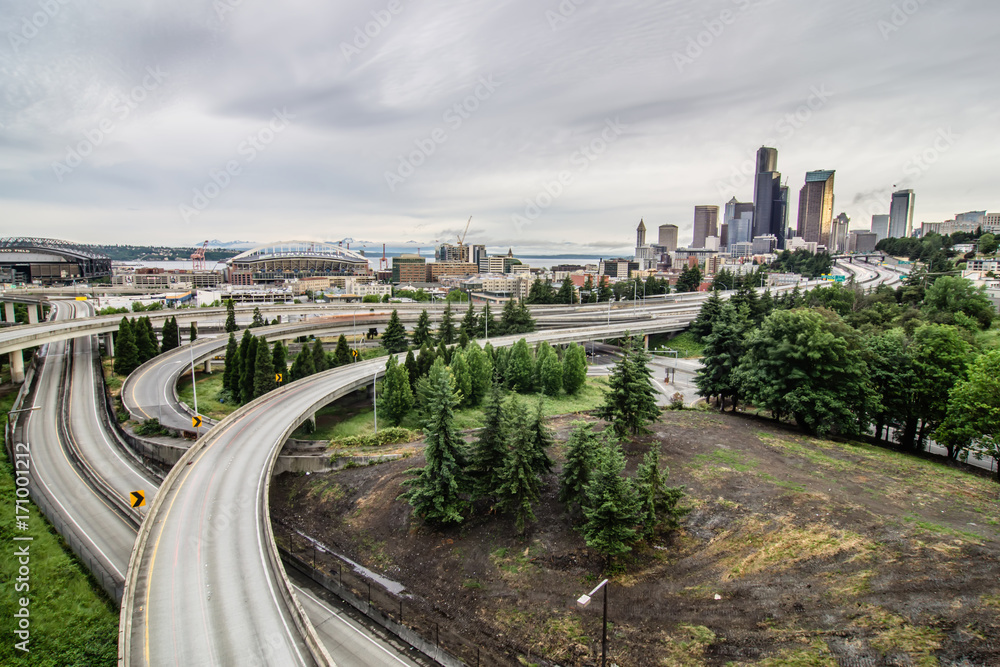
232 245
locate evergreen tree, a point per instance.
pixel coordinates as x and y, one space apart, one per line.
490 449
550 375
520 367
574 369
722 353
542 351
583 450
463 380
508 319
302 365
541 440
258 319
230 316
436 490
241 357
248 371
193 336
263 373
127 357
519 484
342 353
143 340
480 372
525 322
279 362
463 340
422 332
540 292
443 352
611 507
604 292
567 292
446 330
658 502
394 336
412 371
170 334
631 403
470 323
230 375
425 360
397 397
320 362
747 297
710 309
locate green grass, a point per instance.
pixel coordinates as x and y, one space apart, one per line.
726 458
72 621
209 386
352 419
685 343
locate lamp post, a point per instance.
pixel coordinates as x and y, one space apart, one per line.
583 601
194 385
375 398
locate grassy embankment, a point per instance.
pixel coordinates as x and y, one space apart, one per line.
72 621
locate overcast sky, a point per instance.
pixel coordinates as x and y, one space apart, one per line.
392 121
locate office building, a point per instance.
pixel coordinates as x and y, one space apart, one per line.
816 207
880 227
765 244
643 253
861 241
740 228
838 234
706 223
770 198
901 214
668 237
617 268
409 269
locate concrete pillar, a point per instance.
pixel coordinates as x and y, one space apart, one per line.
109 344
645 342
208 365
16 367
32 314
8 309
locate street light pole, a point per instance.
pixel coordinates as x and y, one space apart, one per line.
583 601
375 398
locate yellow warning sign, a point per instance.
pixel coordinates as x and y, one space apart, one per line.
196 421
138 498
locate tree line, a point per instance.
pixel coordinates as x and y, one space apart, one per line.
136 342
845 360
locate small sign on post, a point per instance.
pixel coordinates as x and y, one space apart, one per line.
196 421
138 498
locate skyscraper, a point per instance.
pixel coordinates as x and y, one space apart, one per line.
706 223
668 237
770 199
880 227
838 233
816 207
901 214
643 252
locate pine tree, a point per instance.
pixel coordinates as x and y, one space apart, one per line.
394 336
263 372
463 381
397 397
724 346
582 453
540 292
518 487
258 318
550 375
320 362
657 502
525 322
302 365
169 334
486 322
542 351
611 507
425 360
127 357
710 309
567 292
470 323
422 332
520 367
436 490
229 381
463 340
541 440
248 371
490 448
574 369
279 363
410 364
244 350
230 316
631 403
508 318
443 352
193 332
342 353
446 330
143 340
480 372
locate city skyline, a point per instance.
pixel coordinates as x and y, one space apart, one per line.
175 124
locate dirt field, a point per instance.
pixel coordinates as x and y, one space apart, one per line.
796 552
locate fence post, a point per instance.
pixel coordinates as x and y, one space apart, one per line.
369 595
400 611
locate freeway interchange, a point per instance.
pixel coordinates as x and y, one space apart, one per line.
198 575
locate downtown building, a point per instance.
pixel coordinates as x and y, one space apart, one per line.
770 198
706 224
901 214
816 208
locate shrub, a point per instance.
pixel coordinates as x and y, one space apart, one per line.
387 436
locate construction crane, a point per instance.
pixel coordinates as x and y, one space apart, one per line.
463 254
198 258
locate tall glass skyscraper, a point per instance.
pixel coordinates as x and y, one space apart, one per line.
901 214
770 198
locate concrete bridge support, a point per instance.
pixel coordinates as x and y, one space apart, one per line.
645 342
32 314
16 367
109 345
208 365
8 311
